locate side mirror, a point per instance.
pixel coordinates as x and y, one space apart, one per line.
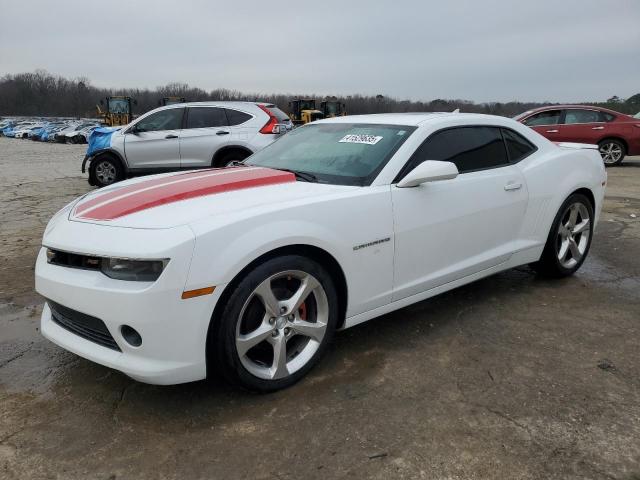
429 171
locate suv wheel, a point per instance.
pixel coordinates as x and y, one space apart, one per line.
106 170
229 158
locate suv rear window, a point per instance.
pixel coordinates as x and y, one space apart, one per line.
235 117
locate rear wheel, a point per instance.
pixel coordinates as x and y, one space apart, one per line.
106 170
569 240
229 158
276 324
612 152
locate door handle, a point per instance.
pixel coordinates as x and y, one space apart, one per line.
512 186
552 131
171 136
597 128
222 132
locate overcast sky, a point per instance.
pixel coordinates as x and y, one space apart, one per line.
481 50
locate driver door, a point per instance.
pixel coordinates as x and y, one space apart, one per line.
154 141
449 229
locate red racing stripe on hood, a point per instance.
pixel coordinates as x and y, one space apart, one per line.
180 187
112 193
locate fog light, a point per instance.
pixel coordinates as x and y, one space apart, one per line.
132 337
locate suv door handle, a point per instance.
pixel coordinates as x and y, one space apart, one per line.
171 136
512 186
222 132
552 131
597 128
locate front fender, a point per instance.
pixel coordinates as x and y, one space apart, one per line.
90 158
221 261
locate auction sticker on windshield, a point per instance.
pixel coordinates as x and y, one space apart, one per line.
360 138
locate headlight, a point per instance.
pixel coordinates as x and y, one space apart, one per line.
134 270
118 268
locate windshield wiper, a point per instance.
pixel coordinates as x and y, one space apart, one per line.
305 176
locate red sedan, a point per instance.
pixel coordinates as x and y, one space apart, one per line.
616 134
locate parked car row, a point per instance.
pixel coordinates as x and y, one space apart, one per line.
61 131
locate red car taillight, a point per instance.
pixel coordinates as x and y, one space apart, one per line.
272 125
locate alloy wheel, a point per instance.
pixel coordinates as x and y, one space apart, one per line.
106 172
282 324
611 152
573 235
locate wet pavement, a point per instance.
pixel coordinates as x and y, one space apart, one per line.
510 377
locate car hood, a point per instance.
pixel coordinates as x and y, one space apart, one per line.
170 200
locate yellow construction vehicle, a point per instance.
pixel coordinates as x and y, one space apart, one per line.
118 111
304 111
171 100
333 108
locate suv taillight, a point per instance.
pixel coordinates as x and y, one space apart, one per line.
272 125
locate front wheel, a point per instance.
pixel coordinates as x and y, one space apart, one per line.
276 324
569 241
612 152
105 171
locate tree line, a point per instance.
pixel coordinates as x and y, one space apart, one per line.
40 93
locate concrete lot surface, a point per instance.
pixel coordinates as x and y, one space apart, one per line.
510 377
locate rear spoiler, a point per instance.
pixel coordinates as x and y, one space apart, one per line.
576 146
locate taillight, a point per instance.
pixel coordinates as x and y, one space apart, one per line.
272 125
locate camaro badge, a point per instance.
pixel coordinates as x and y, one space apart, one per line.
371 244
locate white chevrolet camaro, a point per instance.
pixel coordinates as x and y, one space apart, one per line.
249 270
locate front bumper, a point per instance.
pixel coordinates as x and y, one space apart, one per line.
173 330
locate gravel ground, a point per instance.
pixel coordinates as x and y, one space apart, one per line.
510 377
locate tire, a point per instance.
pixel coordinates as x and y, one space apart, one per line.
105 170
227 158
247 336
569 240
612 151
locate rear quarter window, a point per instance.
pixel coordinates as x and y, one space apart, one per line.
236 117
518 147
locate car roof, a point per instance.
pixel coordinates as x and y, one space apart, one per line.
213 103
566 106
413 118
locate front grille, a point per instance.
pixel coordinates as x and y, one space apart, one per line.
85 326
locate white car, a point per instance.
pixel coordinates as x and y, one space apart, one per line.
183 136
249 270
77 134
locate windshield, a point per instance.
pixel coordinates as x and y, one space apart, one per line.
337 153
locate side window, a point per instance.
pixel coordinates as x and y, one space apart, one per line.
206 117
607 117
470 148
550 117
163 120
235 117
581 116
518 147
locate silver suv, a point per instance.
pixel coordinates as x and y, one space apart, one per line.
183 136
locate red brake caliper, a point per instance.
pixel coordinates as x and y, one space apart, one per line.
303 311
